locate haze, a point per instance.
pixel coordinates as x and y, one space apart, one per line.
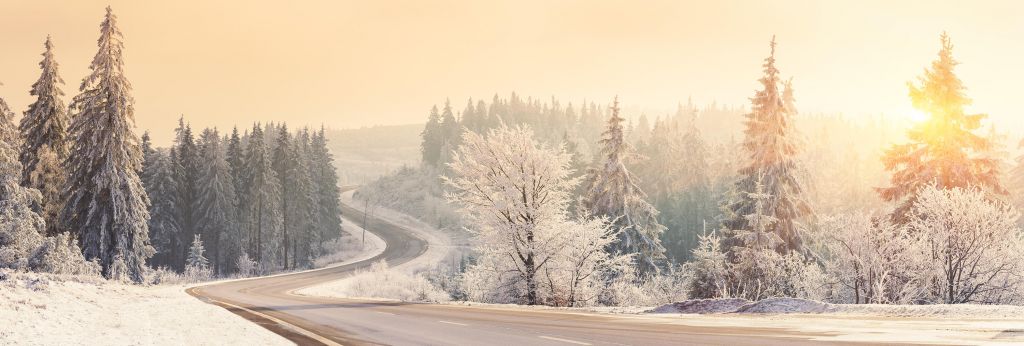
360 63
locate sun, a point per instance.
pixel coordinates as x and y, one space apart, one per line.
916 115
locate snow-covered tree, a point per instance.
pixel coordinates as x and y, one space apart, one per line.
21 228
515 192
263 194
612 191
197 267
709 275
216 216
771 146
283 163
433 138
325 188
187 180
945 149
44 133
165 232
874 261
106 205
976 248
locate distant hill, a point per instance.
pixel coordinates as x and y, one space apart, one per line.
364 154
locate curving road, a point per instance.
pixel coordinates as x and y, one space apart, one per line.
306 320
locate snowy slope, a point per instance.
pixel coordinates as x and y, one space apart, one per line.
46 310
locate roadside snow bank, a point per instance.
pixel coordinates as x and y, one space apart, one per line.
439 242
40 309
785 306
702 306
804 306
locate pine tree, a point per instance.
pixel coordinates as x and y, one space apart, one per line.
187 160
433 139
107 207
196 259
612 191
945 149
283 163
263 194
44 132
326 190
21 228
165 233
302 215
770 144
216 207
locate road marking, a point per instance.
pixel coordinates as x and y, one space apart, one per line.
385 313
564 340
455 323
284 324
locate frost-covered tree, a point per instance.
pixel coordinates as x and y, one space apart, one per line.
165 232
263 194
612 191
283 163
709 275
433 138
216 216
187 179
197 267
874 261
106 205
326 191
975 246
516 193
945 149
771 146
21 228
44 133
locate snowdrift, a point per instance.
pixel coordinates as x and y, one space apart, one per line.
805 306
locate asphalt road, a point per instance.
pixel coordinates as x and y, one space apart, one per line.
308 320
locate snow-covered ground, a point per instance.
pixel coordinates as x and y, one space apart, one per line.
41 309
37 309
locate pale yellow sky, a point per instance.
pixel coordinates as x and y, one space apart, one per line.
356 63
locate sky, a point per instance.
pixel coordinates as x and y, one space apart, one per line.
346 64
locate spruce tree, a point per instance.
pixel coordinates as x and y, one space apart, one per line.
945 149
612 191
21 228
770 145
433 139
44 147
216 208
165 233
326 190
106 205
263 194
188 172
301 202
283 162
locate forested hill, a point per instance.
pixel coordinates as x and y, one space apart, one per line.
365 154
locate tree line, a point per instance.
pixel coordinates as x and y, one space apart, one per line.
82 193
741 223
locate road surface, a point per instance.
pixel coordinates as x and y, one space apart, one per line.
308 320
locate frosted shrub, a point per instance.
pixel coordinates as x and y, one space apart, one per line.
709 269
974 244
246 266
382 282
118 270
871 260
61 255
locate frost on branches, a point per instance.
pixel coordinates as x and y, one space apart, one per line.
197 267
771 145
44 148
944 149
611 191
106 204
515 194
